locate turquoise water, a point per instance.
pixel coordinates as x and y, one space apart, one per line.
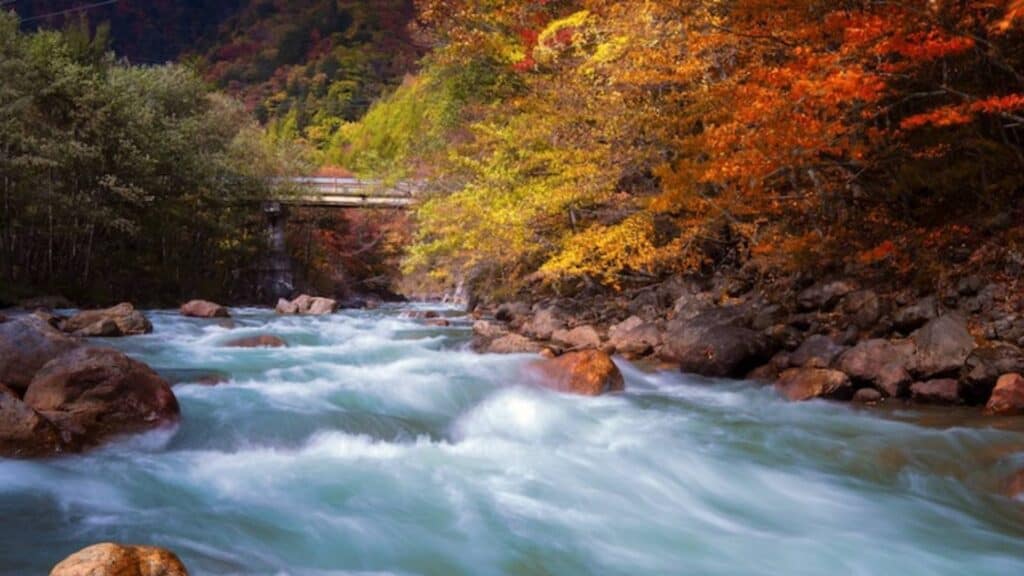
375 445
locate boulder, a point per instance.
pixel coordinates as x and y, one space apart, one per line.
306 305
941 347
544 324
824 296
128 320
941 391
983 368
118 560
23 432
488 330
513 344
260 341
708 348
511 311
95 393
286 308
588 373
818 351
867 396
880 363
438 322
863 308
915 315
579 338
26 345
634 340
1007 397
204 309
801 384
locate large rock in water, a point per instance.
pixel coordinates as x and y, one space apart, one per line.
204 309
26 345
307 306
23 432
95 393
1008 397
801 384
588 373
121 320
707 348
117 560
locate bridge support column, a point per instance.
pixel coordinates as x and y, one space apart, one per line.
276 279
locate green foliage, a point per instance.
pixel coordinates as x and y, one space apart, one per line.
120 181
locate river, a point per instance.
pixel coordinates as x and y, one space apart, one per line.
376 445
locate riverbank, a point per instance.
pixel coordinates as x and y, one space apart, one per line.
837 337
376 442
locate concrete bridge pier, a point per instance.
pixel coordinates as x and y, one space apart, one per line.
276 279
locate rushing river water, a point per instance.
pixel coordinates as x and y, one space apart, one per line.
376 445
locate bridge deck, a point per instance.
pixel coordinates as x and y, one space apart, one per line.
348 193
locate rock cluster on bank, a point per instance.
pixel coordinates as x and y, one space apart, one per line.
833 339
307 306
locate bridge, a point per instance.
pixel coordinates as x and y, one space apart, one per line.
325 192
320 192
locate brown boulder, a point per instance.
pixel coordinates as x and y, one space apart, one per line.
26 345
128 320
588 373
261 341
438 322
23 432
94 393
204 309
1008 397
801 384
315 306
942 391
880 363
117 560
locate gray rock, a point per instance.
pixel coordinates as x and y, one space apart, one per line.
579 338
983 368
941 347
818 351
916 315
26 345
824 296
544 324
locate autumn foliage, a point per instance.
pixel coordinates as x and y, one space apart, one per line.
627 140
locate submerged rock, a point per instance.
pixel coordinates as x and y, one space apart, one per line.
24 433
801 384
92 394
1008 397
120 320
587 373
260 341
204 309
117 560
26 345
867 396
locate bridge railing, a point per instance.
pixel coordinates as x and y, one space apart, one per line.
347 192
